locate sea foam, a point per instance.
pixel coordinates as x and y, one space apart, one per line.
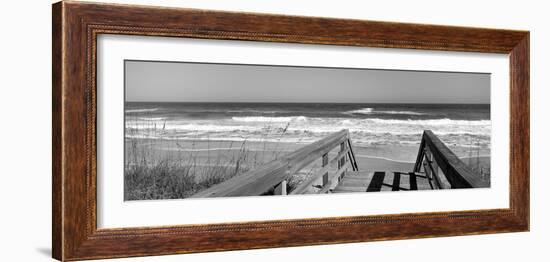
264 119
141 110
369 111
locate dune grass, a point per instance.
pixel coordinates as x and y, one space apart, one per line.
179 174
174 180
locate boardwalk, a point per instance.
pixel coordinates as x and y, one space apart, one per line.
436 167
369 181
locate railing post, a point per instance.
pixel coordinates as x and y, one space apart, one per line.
342 161
325 163
428 155
426 163
435 166
280 189
420 156
351 156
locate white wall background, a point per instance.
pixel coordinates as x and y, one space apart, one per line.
25 124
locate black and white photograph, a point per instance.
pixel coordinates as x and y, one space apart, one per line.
196 130
270 131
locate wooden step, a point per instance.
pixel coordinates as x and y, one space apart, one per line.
359 175
376 181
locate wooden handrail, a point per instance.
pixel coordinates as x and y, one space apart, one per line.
270 175
455 170
307 185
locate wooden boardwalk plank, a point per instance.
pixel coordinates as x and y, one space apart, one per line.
413 181
365 181
423 183
396 181
360 174
406 182
387 185
376 182
354 182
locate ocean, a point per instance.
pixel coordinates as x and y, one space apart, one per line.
458 125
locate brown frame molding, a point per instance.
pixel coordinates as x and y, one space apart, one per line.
75 27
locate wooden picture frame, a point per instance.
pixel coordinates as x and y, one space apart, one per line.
75 28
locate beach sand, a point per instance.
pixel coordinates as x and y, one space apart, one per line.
372 158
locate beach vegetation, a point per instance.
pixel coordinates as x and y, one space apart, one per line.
186 170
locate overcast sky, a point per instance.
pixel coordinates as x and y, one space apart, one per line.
198 82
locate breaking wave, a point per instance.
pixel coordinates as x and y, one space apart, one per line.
265 119
369 111
141 110
299 129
